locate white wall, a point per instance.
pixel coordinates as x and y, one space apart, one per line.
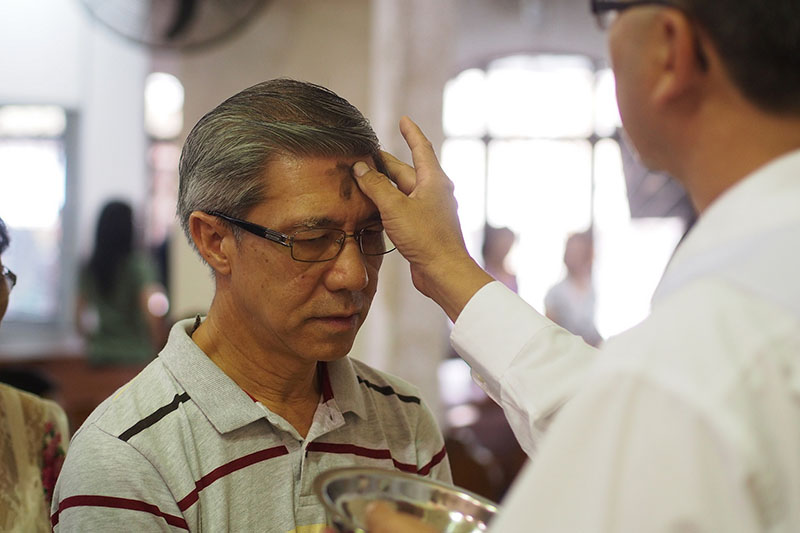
41 43
487 29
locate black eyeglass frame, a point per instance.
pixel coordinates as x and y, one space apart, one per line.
288 240
601 7
9 276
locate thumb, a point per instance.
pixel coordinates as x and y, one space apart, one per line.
376 186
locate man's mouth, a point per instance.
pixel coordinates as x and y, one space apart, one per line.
341 321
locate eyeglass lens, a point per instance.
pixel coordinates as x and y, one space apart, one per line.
325 244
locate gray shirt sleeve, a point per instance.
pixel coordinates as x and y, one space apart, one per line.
107 485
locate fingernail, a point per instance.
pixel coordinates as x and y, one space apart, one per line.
360 168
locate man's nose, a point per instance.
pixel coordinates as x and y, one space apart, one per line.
349 269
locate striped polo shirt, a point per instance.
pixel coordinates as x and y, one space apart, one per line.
182 447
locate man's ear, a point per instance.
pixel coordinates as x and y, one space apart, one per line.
213 239
681 61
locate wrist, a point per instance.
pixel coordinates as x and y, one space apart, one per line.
454 282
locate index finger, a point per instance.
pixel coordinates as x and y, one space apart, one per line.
399 172
422 152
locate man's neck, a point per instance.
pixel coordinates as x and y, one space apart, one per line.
287 386
729 146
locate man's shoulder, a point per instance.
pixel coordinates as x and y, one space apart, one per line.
148 392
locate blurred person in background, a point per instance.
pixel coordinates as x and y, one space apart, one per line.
121 303
497 244
33 439
570 303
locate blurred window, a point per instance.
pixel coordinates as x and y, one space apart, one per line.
532 144
33 182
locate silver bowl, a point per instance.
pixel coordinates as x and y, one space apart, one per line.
346 492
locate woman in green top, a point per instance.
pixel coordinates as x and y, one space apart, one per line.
119 294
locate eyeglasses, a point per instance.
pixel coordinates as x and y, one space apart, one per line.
9 277
316 245
606 11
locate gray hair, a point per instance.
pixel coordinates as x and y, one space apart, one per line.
224 159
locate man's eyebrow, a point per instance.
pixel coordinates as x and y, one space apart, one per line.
327 222
315 222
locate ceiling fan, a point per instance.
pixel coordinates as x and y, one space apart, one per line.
184 24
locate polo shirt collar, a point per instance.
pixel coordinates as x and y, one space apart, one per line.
344 387
220 399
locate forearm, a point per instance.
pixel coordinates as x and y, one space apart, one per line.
527 364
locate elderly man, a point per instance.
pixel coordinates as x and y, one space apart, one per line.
690 421
228 428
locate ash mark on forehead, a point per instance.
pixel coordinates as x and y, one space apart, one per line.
345 173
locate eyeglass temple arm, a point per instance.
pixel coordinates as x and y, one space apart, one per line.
255 229
601 6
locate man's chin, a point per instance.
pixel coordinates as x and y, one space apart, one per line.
333 351
639 157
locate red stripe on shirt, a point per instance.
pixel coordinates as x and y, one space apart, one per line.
117 503
331 447
435 460
251 396
224 470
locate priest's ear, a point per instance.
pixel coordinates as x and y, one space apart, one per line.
683 57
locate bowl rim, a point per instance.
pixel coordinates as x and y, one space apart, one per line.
322 480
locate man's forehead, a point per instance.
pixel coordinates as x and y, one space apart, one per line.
297 183
336 167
